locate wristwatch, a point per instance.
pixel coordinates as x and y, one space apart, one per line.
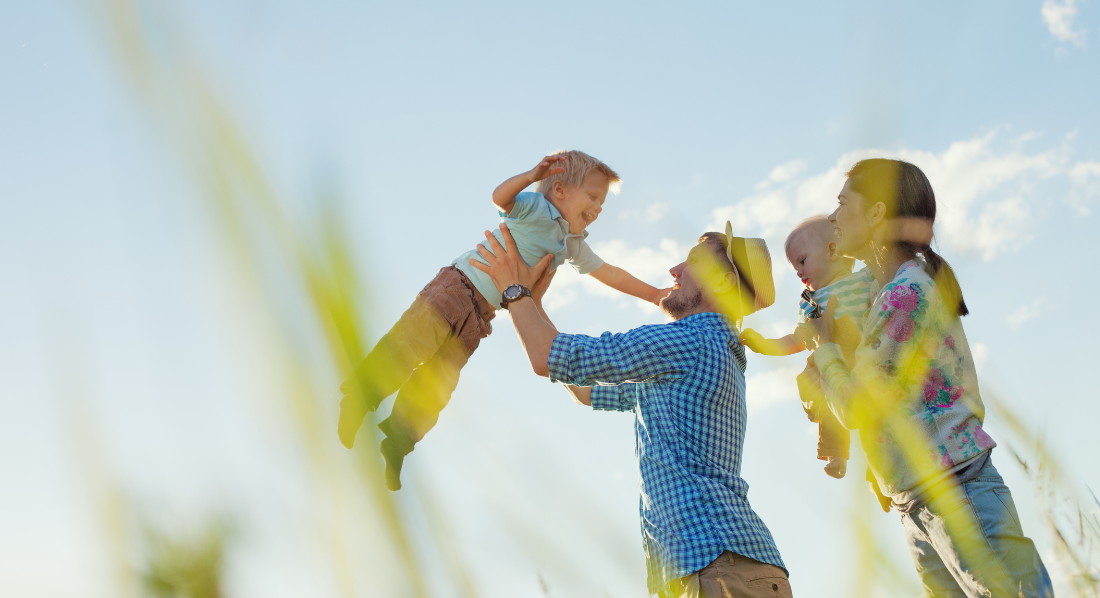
513 293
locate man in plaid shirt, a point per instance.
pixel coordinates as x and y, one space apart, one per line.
685 383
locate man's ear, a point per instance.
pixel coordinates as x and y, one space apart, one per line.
728 283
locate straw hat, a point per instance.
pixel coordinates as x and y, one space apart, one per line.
754 266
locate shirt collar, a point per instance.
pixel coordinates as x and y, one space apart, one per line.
710 319
556 215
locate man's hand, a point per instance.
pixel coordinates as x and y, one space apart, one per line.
505 266
545 168
543 283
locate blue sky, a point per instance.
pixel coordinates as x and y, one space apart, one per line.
141 357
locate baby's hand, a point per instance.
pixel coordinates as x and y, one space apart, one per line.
545 168
751 339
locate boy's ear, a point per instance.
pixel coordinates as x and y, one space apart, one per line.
557 189
832 250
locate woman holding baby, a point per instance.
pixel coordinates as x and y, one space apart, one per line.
905 378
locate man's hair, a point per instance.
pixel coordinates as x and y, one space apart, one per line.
577 165
822 229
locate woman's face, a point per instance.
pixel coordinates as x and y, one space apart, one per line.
851 223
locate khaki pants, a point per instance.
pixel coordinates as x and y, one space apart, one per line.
420 358
732 576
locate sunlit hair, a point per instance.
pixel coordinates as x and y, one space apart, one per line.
906 192
577 165
821 229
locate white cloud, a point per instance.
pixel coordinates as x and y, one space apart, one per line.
773 386
782 174
1086 186
652 214
987 189
1059 17
980 353
1022 314
655 213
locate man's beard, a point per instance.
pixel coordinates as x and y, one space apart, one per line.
677 305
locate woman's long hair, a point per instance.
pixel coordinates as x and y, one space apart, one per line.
906 192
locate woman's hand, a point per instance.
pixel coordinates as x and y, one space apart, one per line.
830 329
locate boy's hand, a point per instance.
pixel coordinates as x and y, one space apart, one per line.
545 168
661 294
751 339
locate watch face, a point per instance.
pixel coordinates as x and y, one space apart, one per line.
511 293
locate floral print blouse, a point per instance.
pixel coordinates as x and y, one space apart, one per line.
911 389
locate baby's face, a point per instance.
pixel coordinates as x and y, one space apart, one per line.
810 256
581 205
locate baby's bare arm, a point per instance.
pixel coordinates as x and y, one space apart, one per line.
625 282
504 196
786 345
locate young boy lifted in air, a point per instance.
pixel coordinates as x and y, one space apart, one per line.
421 356
811 249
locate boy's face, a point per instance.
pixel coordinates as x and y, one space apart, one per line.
581 205
814 259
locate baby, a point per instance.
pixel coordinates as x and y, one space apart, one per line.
421 356
811 249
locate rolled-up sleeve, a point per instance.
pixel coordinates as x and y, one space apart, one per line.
622 397
615 365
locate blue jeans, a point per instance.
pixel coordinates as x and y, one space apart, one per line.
1006 563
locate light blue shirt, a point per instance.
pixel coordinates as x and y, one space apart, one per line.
538 229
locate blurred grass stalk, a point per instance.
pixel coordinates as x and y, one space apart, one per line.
280 254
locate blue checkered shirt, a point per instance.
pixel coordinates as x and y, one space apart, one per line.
685 383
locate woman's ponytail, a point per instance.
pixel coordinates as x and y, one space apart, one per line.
946 282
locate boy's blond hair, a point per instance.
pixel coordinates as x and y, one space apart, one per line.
577 165
822 229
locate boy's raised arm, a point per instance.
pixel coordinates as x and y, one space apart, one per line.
625 282
504 196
